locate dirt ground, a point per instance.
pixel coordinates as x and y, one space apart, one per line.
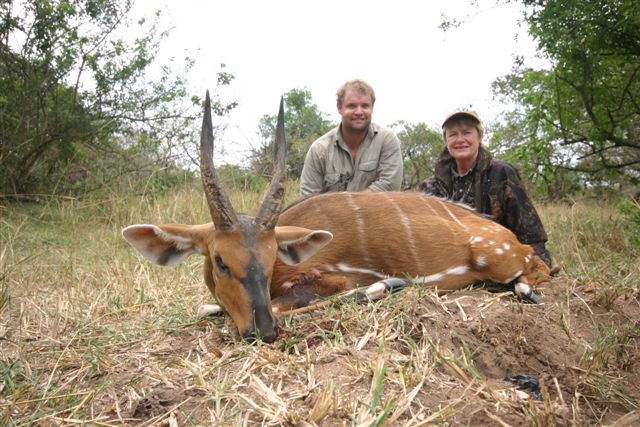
415 358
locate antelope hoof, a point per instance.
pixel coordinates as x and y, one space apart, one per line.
207 310
394 284
384 287
526 294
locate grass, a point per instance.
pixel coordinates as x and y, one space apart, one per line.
91 333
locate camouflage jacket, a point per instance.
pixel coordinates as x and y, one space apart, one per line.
493 187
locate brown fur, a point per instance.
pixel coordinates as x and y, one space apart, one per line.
439 231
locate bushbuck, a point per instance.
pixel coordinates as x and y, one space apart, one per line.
330 243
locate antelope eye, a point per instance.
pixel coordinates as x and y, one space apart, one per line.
222 266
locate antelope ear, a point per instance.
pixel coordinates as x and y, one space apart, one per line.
168 245
296 244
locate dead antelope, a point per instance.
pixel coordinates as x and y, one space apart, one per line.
331 243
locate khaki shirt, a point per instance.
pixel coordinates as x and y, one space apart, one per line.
329 167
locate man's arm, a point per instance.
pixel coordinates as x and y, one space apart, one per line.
312 176
390 168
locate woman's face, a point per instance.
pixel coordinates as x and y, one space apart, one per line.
463 141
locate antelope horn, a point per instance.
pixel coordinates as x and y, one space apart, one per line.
222 213
272 204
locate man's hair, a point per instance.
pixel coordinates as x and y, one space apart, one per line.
357 85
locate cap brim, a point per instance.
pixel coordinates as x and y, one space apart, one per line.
457 114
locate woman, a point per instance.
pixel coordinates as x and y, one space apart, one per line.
467 173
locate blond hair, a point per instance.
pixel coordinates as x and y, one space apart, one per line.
359 86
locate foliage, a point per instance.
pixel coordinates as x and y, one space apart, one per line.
630 211
583 114
536 160
241 179
75 94
304 124
421 147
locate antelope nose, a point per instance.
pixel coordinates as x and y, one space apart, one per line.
265 336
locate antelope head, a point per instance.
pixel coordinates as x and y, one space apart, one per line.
240 251
243 249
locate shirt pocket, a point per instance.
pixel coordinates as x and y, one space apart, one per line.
331 178
368 167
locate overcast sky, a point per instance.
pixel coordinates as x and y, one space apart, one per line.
419 72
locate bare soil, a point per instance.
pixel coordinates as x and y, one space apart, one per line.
433 359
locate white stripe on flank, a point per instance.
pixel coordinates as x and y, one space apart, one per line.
428 279
426 202
457 271
417 261
514 277
444 205
349 269
362 234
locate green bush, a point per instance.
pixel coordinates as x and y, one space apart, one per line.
630 211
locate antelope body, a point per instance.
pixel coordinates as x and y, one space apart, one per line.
330 243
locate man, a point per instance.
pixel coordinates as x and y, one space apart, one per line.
357 155
467 173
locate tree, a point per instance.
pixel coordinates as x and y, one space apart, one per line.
73 91
421 147
304 124
582 114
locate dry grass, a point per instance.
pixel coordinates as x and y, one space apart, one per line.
92 334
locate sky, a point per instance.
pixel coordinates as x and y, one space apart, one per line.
419 72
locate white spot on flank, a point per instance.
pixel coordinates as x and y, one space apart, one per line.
484 229
349 269
499 251
481 261
527 259
476 239
491 242
506 246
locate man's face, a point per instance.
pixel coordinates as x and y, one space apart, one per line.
463 141
356 110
